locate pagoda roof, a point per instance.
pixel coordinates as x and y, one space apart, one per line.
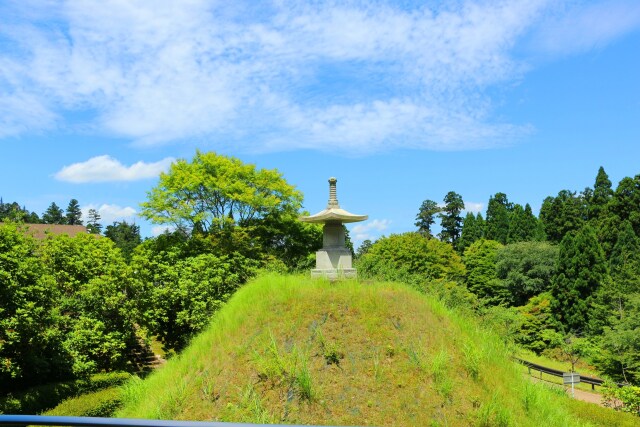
333 212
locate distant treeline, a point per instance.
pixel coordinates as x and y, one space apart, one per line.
566 282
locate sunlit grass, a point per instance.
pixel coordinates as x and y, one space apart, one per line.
288 349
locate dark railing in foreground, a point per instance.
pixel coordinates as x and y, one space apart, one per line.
44 420
557 373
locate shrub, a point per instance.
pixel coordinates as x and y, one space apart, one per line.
41 398
101 403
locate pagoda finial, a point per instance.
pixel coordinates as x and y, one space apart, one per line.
333 200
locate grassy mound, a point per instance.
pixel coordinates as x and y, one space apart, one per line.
293 350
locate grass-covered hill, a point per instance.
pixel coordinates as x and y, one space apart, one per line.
291 350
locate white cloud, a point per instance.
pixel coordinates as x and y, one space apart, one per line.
473 207
355 77
580 27
106 168
369 230
160 229
110 213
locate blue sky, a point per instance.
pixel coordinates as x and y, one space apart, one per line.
402 101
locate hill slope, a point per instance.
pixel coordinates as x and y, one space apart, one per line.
291 350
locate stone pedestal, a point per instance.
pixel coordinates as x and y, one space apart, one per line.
333 263
334 260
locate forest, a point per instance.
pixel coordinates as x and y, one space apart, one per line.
565 283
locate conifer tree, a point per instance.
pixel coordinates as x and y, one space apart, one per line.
497 222
74 214
450 218
562 214
93 224
601 197
471 232
426 217
53 215
582 270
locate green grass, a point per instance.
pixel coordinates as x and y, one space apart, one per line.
287 349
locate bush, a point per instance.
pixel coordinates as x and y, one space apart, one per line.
101 403
625 399
411 257
44 397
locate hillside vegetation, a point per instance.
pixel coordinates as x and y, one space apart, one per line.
290 350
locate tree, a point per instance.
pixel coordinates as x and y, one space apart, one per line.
472 230
526 269
481 278
426 217
601 197
497 222
125 236
364 247
411 257
74 214
562 214
538 330
29 337
450 218
178 290
582 270
95 288
93 222
523 225
213 192
14 213
626 202
53 215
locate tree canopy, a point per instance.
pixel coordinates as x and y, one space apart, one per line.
213 191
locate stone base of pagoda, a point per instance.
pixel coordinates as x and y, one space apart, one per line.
334 273
334 263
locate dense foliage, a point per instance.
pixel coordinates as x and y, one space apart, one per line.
73 306
572 275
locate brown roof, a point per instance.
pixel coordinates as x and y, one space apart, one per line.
40 231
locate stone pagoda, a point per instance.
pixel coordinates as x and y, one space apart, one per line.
334 259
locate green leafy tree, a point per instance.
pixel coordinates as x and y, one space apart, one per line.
413 258
281 235
582 270
481 278
93 222
178 290
125 236
74 214
526 269
427 217
214 191
54 215
620 343
498 215
450 219
98 315
538 328
29 338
